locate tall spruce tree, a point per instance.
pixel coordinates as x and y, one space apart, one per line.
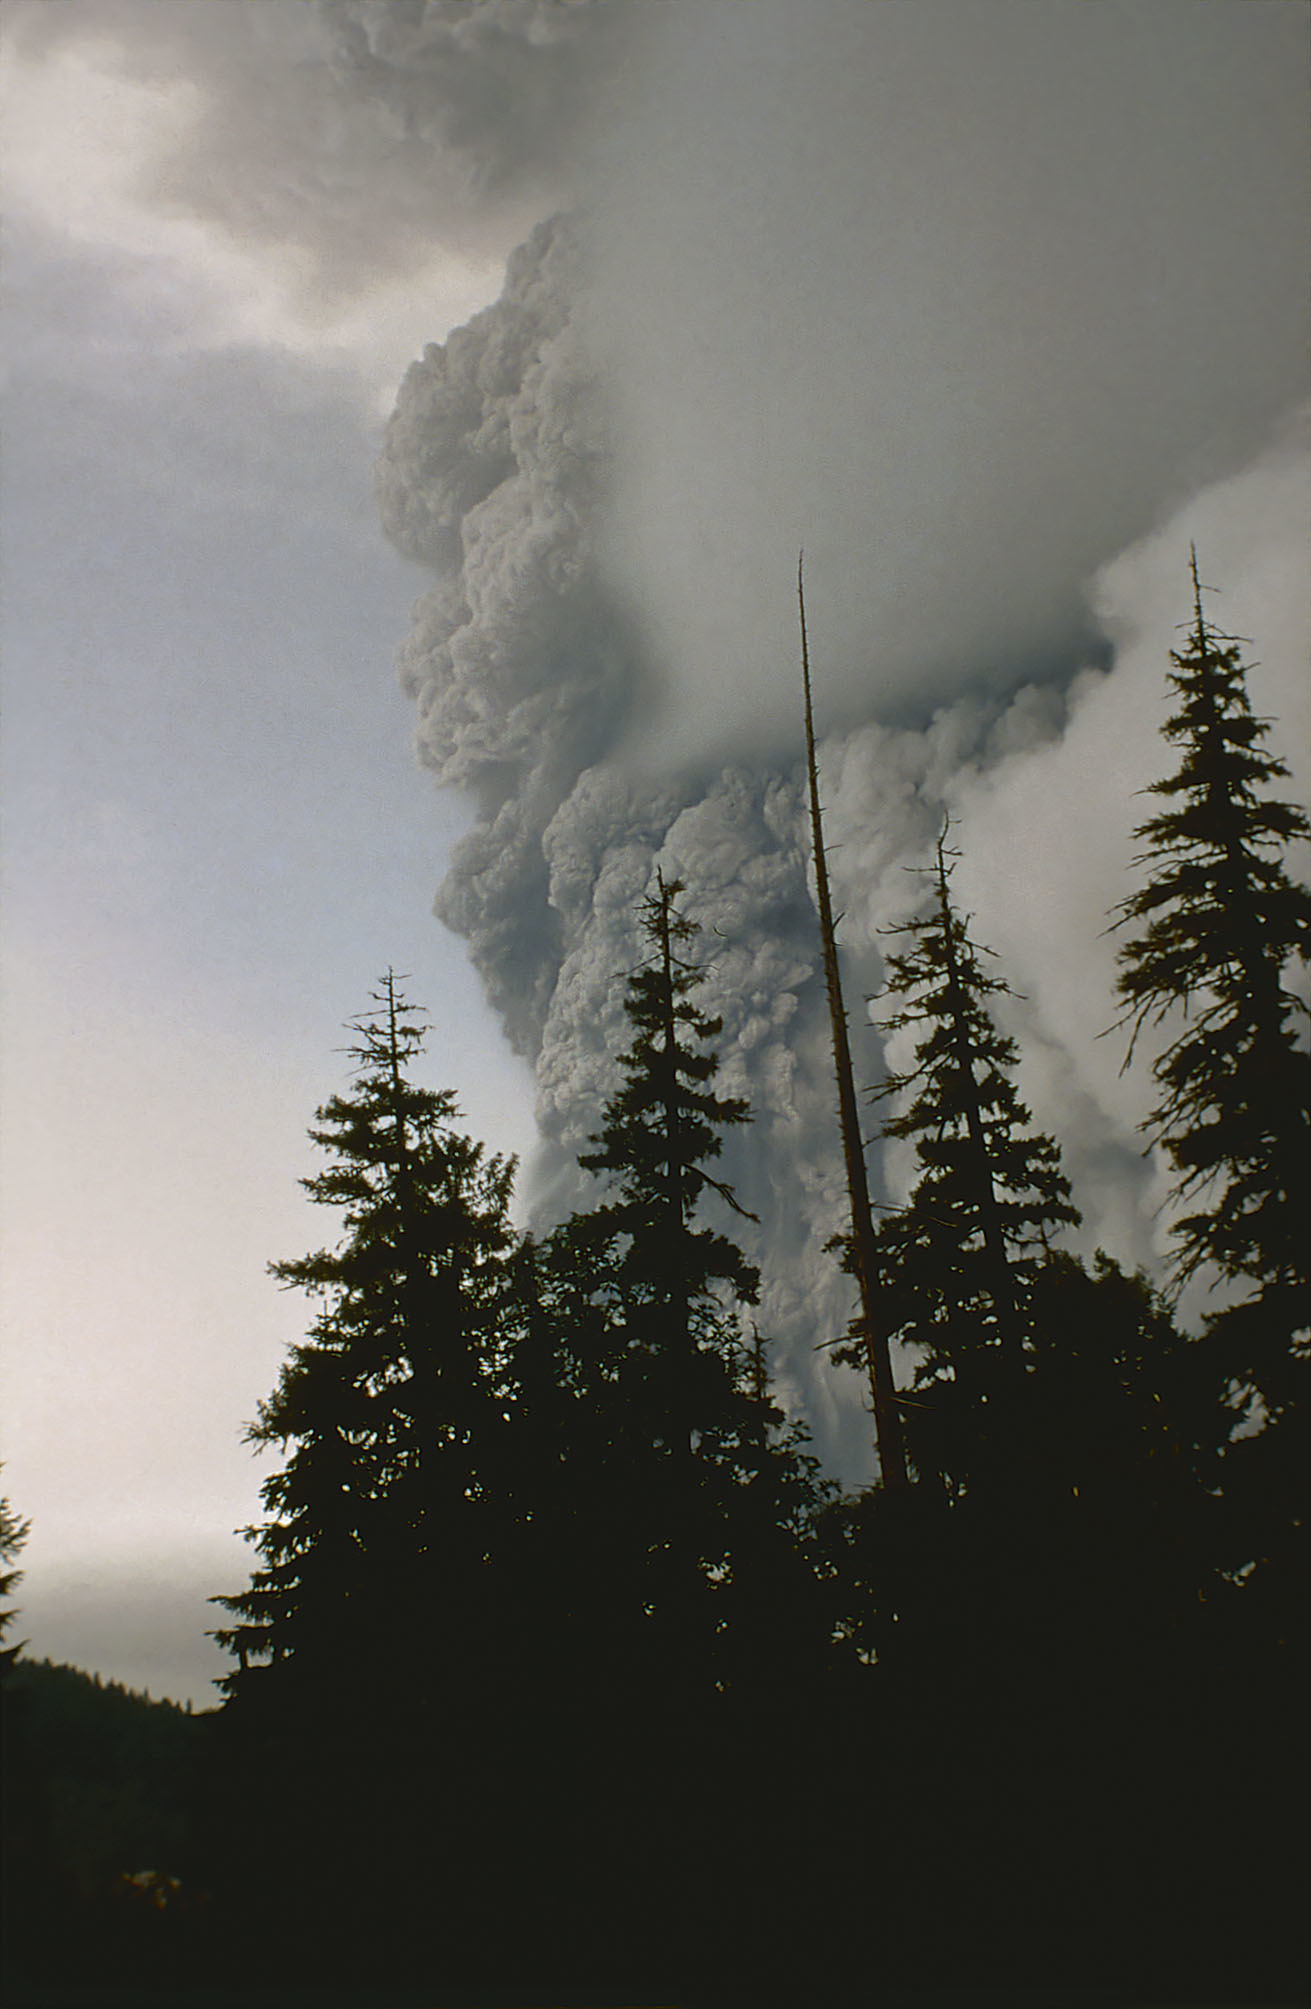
660 1130
392 1406
1049 1421
1222 925
678 1612
717 1483
373 1648
956 1264
1213 937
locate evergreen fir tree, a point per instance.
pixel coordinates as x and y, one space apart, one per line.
671 1280
956 1264
13 1536
669 1588
715 1480
660 1130
371 1628
1029 1602
1224 924
1215 933
393 1404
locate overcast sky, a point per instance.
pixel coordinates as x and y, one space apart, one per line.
993 308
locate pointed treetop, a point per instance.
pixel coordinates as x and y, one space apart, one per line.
1217 925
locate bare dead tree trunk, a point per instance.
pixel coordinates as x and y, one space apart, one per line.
883 1393
676 1183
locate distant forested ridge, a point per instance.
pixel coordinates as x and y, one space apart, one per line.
100 1785
565 1674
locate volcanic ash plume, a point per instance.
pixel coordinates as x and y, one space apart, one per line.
603 472
490 475
502 85
524 673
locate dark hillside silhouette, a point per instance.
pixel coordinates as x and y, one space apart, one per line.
100 1881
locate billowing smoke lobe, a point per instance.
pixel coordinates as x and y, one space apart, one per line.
350 142
943 302
959 297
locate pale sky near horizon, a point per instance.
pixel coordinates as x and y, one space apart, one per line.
216 834
216 837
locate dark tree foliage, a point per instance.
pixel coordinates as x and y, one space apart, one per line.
13 1536
956 1264
1037 1619
1214 937
719 1489
1035 1380
693 1561
371 1626
660 1130
97 1858
392 1406
1216 931
565 1675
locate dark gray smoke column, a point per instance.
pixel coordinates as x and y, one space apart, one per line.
491 475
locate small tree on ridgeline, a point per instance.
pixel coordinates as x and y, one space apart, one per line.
13 1537
1212 937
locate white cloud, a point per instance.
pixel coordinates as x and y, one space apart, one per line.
1047 833
86 146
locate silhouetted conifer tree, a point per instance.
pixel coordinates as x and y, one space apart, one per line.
957 1262
390 1407
1030 1613
699 1452
13 1536
668 1509
1214 935
1224 923
374 1651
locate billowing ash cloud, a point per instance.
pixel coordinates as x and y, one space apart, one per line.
350 141
521 667
961 297
504 84
936 291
